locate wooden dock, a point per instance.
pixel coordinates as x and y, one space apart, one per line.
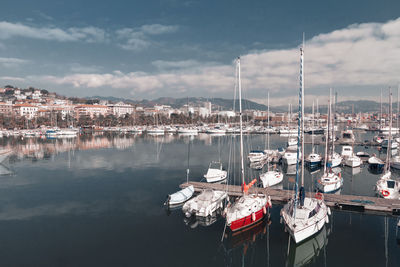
366 204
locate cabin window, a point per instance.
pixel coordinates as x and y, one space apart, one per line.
390 184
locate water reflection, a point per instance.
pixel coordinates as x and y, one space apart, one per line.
305 252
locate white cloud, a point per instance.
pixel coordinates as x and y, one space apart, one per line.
10 61
155 29
89 34
359 56
137 39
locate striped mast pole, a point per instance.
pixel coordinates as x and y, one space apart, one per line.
296 189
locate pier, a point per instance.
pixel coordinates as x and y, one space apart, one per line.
354 203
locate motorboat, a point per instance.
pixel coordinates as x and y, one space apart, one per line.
363 155
347 137
256 156
205 203
271 178
347 151
376 163
215 173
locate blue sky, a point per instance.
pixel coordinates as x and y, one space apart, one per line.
148 49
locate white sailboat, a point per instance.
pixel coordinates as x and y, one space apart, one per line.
270 177
386 187
303 216
329 181
249 208
313 160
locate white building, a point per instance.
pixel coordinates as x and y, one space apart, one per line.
120 109
27 110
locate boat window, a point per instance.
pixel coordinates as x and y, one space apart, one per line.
390 184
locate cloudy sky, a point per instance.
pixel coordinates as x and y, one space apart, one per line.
148 49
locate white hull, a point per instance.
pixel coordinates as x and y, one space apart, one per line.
329 183
353 161
204 204
181 196
304 227
271 178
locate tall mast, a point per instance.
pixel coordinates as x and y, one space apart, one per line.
302 113
296 188
240 122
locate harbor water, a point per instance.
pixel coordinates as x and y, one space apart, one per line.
97 200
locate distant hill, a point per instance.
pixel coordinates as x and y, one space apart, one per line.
218 103
227 104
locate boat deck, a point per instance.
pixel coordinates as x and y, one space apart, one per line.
366 204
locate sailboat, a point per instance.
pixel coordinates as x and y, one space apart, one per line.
313 160
249 208
303 216
386 187
182 195
334 158
330 181
270 177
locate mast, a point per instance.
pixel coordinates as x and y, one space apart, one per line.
240 122
332 125
380 118
302 113
299 139
268 129
397 117
389 148
187 170
328 119
312 129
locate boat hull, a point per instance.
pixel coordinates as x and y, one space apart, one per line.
247 221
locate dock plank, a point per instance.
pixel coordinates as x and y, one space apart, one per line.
345 202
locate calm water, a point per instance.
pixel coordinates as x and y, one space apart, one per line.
98 201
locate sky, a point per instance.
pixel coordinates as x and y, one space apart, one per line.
170 48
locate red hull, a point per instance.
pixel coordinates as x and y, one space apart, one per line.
248 220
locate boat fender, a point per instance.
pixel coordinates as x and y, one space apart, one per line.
340 174
327 219
253 216
329 211
269 202
385 193
264 210
318 195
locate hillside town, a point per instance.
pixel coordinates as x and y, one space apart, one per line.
32 108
